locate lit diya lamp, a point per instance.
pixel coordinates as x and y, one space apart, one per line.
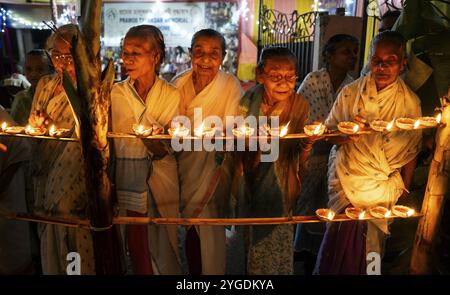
380 212
430 121
141 130
314 129
325 214
402 211
407 123
355 213
12 129
381 125
58 132
348 127
178 131
35 131
243 131
284 130
204 131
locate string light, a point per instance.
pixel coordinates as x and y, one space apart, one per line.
17 20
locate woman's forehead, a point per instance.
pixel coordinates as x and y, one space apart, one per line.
282 64
384 49
208 42
137 42
61 45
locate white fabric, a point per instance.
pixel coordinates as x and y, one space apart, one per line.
366 173
318 90
15 248
197 170
136 174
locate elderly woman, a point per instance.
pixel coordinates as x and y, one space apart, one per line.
204 178
373 169
270 189
146 171
57 167
320 88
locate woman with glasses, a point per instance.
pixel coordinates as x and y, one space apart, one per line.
271 189
204 176
369 170
146 178
57 166
320 88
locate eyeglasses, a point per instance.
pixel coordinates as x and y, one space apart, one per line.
63 58
278 77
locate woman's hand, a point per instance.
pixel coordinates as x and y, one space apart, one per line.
40 119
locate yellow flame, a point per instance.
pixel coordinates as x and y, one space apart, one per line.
390 125
355 128
243 129
176 131
438 118
4 125
284 130
317 129
410 212
52 130
330 215
140 129
416 124
28 128
361 215
387 214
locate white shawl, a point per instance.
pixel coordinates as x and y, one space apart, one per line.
366 173
199 173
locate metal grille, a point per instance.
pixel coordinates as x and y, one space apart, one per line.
294 31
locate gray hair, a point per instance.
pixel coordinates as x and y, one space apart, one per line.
155 37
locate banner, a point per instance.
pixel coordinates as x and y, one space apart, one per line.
177 21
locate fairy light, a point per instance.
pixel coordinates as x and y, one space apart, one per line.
18 21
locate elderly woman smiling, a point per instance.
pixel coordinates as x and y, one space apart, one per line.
204 179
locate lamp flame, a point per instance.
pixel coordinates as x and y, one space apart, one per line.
390 125
410 212
361 215
330 215
284 130
52 130
317 129
438 118
416 124
356 128
28 128
140 129
387 214
4 125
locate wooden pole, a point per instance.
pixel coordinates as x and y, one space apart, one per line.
422 261
90 101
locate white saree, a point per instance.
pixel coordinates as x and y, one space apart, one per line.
366 173
205 185
59 184
143 185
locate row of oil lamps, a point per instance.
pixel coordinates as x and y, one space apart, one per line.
361 214
243 131
34 131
